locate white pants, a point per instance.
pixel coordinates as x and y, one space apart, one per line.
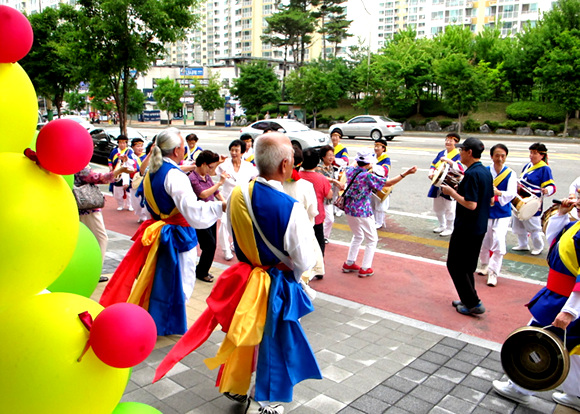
328 220
532 226
118 193
494 242
141 212
445 211
224 234
96 225
187 263
363 228
380 208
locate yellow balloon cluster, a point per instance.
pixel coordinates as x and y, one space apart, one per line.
41 334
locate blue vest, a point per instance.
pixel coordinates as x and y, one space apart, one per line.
162 199
497 210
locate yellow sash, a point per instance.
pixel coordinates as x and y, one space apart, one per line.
450 155
567 250
148 191
497 180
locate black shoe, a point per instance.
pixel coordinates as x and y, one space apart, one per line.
242 399
103 279
456 303
476 310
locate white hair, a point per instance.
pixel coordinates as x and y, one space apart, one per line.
269 152
166 141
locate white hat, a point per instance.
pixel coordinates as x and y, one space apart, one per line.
365 156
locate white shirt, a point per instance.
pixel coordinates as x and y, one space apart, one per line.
303 191
512 187
243 176
199 214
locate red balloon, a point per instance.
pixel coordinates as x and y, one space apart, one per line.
15 35
123 335
64 147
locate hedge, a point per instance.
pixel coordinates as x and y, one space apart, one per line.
536 111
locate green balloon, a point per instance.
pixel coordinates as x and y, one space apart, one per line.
135 408
70 180
82 273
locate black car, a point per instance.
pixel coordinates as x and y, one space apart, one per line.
103 144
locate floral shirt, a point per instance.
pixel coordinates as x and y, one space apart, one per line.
327 171
357 202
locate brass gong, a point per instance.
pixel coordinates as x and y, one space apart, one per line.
535 359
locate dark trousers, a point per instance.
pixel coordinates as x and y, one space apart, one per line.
207 243
462 262
319 233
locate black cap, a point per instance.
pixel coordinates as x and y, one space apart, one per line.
471 144
381 141
122 137
136 140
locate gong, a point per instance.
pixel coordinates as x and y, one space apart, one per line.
535 359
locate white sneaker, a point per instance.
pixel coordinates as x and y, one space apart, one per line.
438 229
506 389
536 252
119 208
228 255
567 400
520 248
130 209
491 279
446 232
255 408
339 213
482 270
311 293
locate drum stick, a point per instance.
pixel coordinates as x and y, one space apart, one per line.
555 201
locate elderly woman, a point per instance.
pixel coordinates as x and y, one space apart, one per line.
326 168
359 214
205 189
536 179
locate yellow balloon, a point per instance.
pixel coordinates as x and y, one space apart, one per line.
18 108
39 225
42 337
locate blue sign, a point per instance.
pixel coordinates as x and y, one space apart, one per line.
152 115
148 94
191 72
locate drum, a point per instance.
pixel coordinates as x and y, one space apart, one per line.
535 359
525 204
552 211
444 174
342 179
383 193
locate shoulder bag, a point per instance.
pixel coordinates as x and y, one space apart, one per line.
88 197
339 202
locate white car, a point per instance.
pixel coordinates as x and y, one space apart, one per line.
86 124
296 131
373 126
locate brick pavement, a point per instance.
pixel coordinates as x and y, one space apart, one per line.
373 361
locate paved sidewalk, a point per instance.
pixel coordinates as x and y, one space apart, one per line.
373 361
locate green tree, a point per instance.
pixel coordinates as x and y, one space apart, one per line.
256 86
557 72
333 24
168 94
76 101
314 89
136 101
118 37
52 70
208 96
461 83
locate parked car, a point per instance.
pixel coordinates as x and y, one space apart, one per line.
296 131
373 126
86 124
105 140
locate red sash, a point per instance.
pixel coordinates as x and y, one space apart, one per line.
560 283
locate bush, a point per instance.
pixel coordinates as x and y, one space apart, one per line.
413 123
533 111
437 108
492 124
509 124
539 125
557 128
471 126
444 123
323 119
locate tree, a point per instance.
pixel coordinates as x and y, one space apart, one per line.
50 68
256 87
333 23
557 72
76 101
168 95
118 37
462 84
314 89
208 96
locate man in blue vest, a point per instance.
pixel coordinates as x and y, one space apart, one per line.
505 184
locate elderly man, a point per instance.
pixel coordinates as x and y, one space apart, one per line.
273 241
163 256
473 197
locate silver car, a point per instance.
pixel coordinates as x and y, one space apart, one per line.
296 131
373 126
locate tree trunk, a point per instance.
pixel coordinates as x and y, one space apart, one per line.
124 101
314 112
459 124
565 133
323 39
284 72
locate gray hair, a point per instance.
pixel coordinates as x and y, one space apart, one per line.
166 141
269 152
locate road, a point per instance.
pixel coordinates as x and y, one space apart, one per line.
410 221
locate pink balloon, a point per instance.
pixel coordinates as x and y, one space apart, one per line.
64 147
15 35
123 335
